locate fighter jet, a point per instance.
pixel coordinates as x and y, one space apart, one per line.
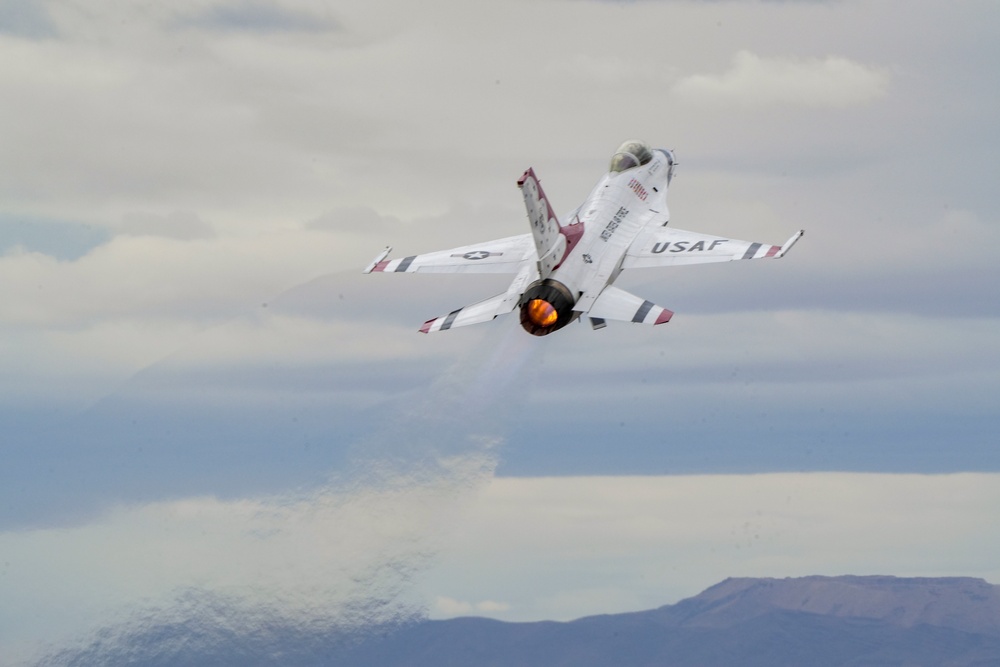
565 269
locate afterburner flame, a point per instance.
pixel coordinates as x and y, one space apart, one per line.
541 313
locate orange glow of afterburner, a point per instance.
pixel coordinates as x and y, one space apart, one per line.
541 313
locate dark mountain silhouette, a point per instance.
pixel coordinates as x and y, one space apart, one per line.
844 621
810 621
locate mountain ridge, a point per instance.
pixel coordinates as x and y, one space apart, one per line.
960 603
822 621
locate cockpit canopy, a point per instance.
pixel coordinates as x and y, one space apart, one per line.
630 154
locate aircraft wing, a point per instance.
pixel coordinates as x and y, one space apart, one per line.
662 246
506 255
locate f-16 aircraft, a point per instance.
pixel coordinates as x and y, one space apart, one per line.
565 269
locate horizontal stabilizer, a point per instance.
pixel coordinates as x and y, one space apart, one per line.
617 304
483 311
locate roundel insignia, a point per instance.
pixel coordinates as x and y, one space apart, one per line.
477 254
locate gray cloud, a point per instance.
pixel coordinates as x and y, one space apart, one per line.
63 240
362 220
757 81
177 225
258 16
26 18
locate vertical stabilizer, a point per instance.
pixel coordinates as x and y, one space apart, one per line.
552 240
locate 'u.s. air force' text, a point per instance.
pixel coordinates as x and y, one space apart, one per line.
682 246
615 221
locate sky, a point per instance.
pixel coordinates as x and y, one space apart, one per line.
202 397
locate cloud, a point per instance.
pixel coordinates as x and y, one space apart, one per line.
446 607
258 16
25 18
452 607
132 274
604 70
755 81
363 219
180 225
492 606
64 240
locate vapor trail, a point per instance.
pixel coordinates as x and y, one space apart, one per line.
240 581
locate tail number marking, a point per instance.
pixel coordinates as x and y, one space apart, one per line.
637 188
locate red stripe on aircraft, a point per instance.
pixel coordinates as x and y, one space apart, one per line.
573 233
664 317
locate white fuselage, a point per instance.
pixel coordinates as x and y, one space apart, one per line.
620 206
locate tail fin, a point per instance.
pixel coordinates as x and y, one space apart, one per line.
552 240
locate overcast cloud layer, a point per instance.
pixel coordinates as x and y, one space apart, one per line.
188 192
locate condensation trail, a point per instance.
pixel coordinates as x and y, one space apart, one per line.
290 577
